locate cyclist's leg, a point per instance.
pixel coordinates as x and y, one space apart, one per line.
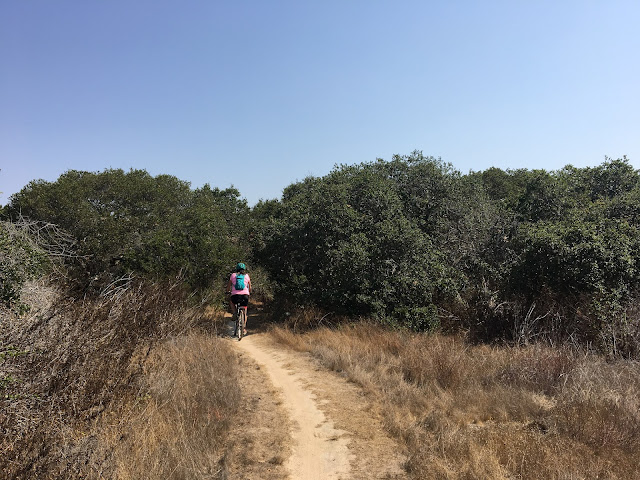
244 323
245 304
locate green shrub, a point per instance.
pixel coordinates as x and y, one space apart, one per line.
347 243
132 222
517 255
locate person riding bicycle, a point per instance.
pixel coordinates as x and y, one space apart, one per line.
239 286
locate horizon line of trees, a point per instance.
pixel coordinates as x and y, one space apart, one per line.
411 242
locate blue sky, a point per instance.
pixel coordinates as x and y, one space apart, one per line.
260 94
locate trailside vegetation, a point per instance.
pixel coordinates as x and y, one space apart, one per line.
81 370
20 260
517 254
499 412
523 256
131 223
120 385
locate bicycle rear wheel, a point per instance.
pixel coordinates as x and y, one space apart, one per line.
242 321
236 323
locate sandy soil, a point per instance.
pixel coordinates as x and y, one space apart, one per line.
260 433
304 422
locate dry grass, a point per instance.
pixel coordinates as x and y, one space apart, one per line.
486 412
72 361
178 428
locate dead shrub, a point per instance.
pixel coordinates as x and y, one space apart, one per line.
287 337
600 423
436 359
538 368
620 335
303 319
81 357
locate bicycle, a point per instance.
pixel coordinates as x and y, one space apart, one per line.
240 321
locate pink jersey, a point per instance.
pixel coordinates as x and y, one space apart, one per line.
247 282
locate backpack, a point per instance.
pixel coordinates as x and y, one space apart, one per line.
240 281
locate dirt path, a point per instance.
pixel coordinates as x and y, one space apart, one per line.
316 424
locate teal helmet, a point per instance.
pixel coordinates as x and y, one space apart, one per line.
240 266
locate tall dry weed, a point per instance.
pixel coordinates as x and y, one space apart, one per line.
77 359
600 406
178 427
474 411
538 368
435 359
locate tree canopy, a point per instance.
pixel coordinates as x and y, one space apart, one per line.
411 242
127 222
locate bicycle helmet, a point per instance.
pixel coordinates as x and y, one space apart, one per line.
240 266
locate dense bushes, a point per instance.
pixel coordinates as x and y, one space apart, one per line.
503 254
346 242
515 254
133 222
388 239
573 251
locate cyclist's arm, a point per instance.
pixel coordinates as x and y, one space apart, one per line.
249 286
229 285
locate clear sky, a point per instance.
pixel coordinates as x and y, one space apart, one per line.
259 93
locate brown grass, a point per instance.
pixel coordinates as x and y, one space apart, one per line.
177 429
73 362
491 412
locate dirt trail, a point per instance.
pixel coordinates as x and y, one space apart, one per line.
319 450
333 431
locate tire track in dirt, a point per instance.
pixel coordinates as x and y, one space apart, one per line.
335 433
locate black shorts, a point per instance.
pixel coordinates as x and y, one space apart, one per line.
240 300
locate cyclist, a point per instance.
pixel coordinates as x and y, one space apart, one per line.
239 296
